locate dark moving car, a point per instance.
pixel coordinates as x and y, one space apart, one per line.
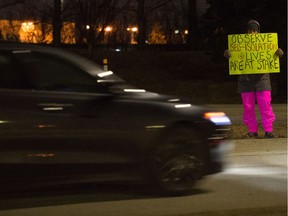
64 120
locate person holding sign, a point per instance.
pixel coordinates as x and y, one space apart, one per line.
254 80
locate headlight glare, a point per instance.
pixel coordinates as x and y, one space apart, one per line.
219 118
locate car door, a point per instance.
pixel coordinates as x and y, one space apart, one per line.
55 120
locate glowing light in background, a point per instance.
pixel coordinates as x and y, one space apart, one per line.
27 26
28 32
133 33
108 29
132 29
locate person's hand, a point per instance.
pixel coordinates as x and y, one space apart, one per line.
227 54
279 52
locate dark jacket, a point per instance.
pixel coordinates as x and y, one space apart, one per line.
254 82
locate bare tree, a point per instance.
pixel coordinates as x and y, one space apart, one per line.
192 23
141 24
94 15
57 23
145 9
8 10
9 3
172 19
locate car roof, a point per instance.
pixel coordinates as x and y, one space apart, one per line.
86 64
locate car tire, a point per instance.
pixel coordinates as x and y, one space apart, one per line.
179 161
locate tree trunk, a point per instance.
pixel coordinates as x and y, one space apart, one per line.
192 24
57 23
141 24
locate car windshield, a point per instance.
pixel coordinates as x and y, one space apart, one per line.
57 70
62 71
106 79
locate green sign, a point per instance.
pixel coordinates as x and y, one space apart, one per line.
253 53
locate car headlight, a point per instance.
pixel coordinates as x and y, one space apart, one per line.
219 118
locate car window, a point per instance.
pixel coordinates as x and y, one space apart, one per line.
9 76
47 72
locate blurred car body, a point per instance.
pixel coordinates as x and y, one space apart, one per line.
63 119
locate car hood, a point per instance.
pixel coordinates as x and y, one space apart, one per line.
175 107
168 102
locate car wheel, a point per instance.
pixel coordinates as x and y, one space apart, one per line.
178 161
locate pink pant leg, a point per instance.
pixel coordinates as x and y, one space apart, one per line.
249 116
267 115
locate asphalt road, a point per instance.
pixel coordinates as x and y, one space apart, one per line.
253 183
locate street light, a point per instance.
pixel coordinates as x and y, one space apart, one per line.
108 29
27 26
27 32
133 31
